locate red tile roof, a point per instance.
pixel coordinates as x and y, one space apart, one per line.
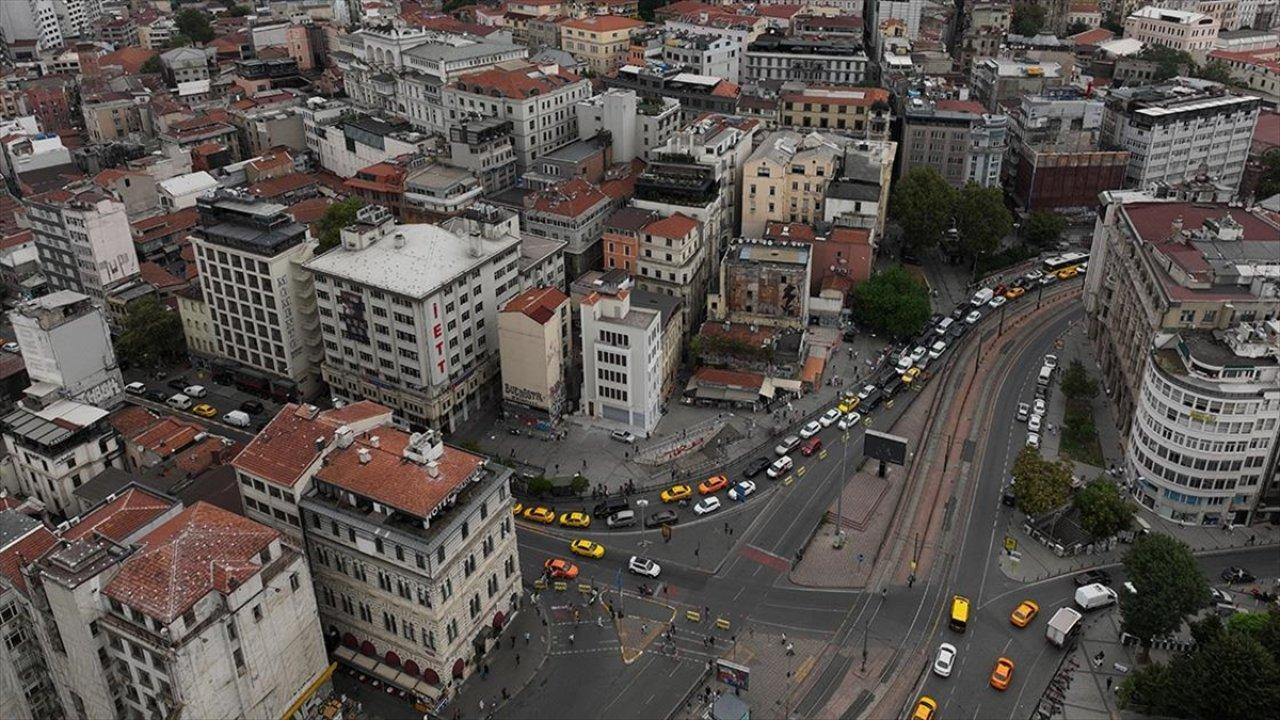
122 517
19 238
538 304
789 231
22 552
167 437
724 88
275 187
131 59
388 479
676 227
571 199
728 378
1092 37
1266 134
779 11
969 106
201 550
132 420
603 23
158 277
286 447
848 95
518 83
309 210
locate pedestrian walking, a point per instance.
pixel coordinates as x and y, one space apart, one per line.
526 639
505 695
784 638
600 622
570 638
791 650
482 706
1108 683
486 669
644 628
517 659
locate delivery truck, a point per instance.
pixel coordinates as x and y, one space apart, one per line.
1097 595
1062 626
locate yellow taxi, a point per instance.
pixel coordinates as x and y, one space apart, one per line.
575 519
1014 293
540 514
1002 675
848 405
517 509
205 410
676 493
587 548
1024 613
925 708
910 375
1068 273
715 483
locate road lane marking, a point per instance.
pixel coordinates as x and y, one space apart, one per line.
822 455
803 671
790 479
802 470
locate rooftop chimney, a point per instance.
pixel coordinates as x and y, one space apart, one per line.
375 441
344 436
365 455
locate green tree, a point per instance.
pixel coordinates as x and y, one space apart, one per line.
1230 677
151 335
336 217
648 6
1076 383
1077 27
982 219
195 25
1044 228
1104 510
1169 62
177 40
1169 584
1269 181
1028 19
922 203
238 11
1215 70
892 302
1150 690
451 5
1040 485
151 66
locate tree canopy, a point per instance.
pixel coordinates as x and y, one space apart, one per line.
151 66
151 335
982 219
1040 485
193 24
1170 586
892 302
1104 510
336 217
1028 19
1214 70
922 204
1269 181
1044 228
1076 383
1169 62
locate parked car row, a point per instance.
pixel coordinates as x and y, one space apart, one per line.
184 401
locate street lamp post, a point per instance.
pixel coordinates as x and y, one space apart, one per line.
865 626
844 466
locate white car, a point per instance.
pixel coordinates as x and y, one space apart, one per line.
195 391
866 391
623 436
850 420
12 347
813 427
973 317
1039 407
945 661
936 351
789 443
135 388
1082 268
1033 440
918 353
997 301
905 362
1033 423
1024 410
706 505
643 566
1033 275
829 417
742 490
1051 361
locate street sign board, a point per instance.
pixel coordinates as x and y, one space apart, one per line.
733 674
886 447
1010 543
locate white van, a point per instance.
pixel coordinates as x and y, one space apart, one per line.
944 326
1046 374
779 467
982 297
236 418
1097 595
179 402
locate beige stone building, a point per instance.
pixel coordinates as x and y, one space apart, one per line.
535 344
600 41
861 111
1191 32
786 178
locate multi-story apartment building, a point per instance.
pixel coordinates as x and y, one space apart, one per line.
409 313
858 111
983 25
1001 81
859 197
114 115
537 100
1160 268
1179 130
485 147
83 238
764 282
600 41
697 94
822 62
622 359
723 142
673 261
573 212
535 343
703 54
636 126
414 551
621 240
1191 32
66 343
250 256
958 138
786 178
680 185
27 690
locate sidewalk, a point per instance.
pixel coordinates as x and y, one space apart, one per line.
776 677
510 668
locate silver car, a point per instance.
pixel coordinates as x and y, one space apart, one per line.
945 661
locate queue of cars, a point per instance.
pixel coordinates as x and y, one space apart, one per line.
188 393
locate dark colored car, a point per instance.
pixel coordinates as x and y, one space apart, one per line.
156 396
1235 574
755 467
850 335
958 330
959 313
179 384
662 517
1093 576
253 407
610 506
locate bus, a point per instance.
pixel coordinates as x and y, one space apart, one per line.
1062 262
959 613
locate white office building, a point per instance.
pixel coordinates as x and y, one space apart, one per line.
66 344
637 126
409 313
622 360
84 240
